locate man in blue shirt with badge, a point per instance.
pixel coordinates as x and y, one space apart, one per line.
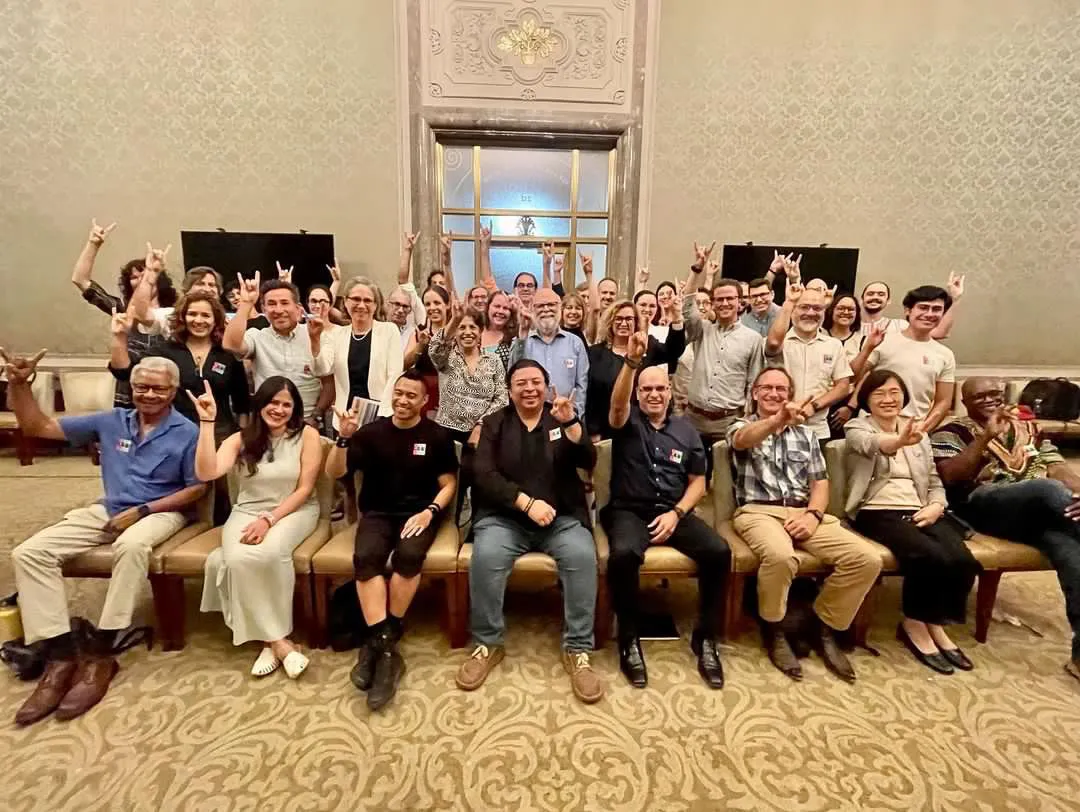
561 354
657 477
148 470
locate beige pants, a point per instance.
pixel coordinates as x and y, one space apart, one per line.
713 430
855 563
37 562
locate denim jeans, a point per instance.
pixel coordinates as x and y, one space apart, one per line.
499 541
1032 512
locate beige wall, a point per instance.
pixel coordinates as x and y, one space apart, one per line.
934 136
267 116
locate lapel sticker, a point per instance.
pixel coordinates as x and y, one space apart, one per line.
827 359
555 434
419 449
123 446
307 369
218 368
676 456
569 363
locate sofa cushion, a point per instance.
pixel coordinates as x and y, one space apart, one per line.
335 558
999 554
97 563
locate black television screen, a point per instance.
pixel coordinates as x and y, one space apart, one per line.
236 252
837 266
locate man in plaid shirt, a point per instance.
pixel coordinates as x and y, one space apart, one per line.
783 490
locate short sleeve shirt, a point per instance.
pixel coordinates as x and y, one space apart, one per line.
401 467
651 467
920 364
815 365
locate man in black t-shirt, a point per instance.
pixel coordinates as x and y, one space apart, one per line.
657 477
410 476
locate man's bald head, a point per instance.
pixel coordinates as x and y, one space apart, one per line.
817 284
982 396
654 392
545 296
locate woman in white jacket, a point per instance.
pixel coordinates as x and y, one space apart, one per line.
364 356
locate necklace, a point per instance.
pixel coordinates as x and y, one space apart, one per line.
362 336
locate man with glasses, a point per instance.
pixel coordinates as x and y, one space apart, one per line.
404 308
763 310
815 360
727 356
148 473
525 288
782 490
1006 480
560 353
927 367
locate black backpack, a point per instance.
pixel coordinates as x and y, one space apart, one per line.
1052 398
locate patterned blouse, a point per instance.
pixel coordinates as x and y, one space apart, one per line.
465 397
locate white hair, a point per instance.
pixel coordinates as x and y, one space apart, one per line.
155 363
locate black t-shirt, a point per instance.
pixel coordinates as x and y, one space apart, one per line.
359 364
401 467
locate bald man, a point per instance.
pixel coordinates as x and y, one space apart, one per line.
1006 480
657 477
560 353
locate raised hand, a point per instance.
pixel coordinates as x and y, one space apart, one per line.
19 368
485 235
423 337
955 285
794 413
911 433
643 275
408 241
156 258
457 309
446 244
792 268
98 234
316 324
777 263
349 421
335 271
560 266
674 308
548 249
702 254
998 423
712 267
876 335
636 346
586 263
830 294
249 289
205 405
793 291
562 408
284 273
121 323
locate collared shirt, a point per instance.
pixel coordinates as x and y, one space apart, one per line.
726 360
816 365
780 469
564 358
1019 454
760 325
922 365
651 467
137 470
289 356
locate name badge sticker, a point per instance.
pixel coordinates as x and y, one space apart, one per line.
555 434
676 456
307 369
569 363
419 449
123 446
218 368
827 358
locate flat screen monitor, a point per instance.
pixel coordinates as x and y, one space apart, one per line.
837 266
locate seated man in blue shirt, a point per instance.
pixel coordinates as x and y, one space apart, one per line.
657 477
560 353
148 470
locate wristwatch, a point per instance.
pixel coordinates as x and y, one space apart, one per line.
144 511
576 420
817 514
679 512
342 442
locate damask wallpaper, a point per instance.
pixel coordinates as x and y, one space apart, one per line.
269 116
933 136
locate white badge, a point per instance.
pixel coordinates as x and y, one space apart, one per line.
676 456
419 449
569 363
123 446
218 368
555 434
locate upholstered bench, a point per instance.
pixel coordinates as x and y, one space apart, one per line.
999 556
25 445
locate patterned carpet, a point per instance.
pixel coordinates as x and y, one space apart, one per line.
191 729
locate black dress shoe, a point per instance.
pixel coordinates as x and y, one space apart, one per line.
632 663
708 663
934 661
957 658
834 657
780 653
362 672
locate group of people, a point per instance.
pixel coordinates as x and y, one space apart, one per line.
505 394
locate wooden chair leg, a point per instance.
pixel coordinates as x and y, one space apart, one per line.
318 633
736 588
865 615
168 592
985 598
24 448
302 608
602 621
457 601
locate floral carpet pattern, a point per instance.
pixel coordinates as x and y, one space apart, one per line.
193 730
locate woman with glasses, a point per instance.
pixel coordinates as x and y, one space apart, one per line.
844 323
896 498
365 356
500 326
606 359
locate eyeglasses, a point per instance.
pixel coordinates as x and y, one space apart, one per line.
726 299
398 305
758 296
318 301
811 308
624 319
546 308
525 286
780 389
143 388
844 311
881 394
984 397
359 300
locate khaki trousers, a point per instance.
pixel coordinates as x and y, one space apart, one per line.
37 562
856 564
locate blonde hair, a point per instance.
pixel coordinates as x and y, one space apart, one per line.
606 328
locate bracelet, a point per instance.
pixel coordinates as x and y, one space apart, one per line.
679 512
266 514
528 507
631 364
206 421
817 514
572 422
435 510
342 442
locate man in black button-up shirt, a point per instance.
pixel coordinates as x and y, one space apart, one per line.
529 497
658 475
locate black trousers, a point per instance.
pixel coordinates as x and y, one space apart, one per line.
628 537
938 568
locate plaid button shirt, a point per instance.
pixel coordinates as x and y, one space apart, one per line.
780 469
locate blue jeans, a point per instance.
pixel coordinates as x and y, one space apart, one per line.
498 542
1033 512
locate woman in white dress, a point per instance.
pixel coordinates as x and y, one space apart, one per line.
276 460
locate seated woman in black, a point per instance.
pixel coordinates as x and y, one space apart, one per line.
605 360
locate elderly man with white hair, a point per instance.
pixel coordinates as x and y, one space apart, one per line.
148 473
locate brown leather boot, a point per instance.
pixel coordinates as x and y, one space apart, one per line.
89 687
51 688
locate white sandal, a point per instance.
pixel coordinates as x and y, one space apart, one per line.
266 664
295 664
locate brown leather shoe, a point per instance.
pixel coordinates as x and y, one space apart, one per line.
89 687
587 685
54 683
475 670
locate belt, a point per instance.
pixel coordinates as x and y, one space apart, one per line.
719 414
795 503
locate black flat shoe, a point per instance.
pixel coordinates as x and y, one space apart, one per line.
957 658
632 663
934 661
708 664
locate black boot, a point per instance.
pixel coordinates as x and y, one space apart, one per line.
835 659
389 667
708 663
632 662
776 643
365 665
397 627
